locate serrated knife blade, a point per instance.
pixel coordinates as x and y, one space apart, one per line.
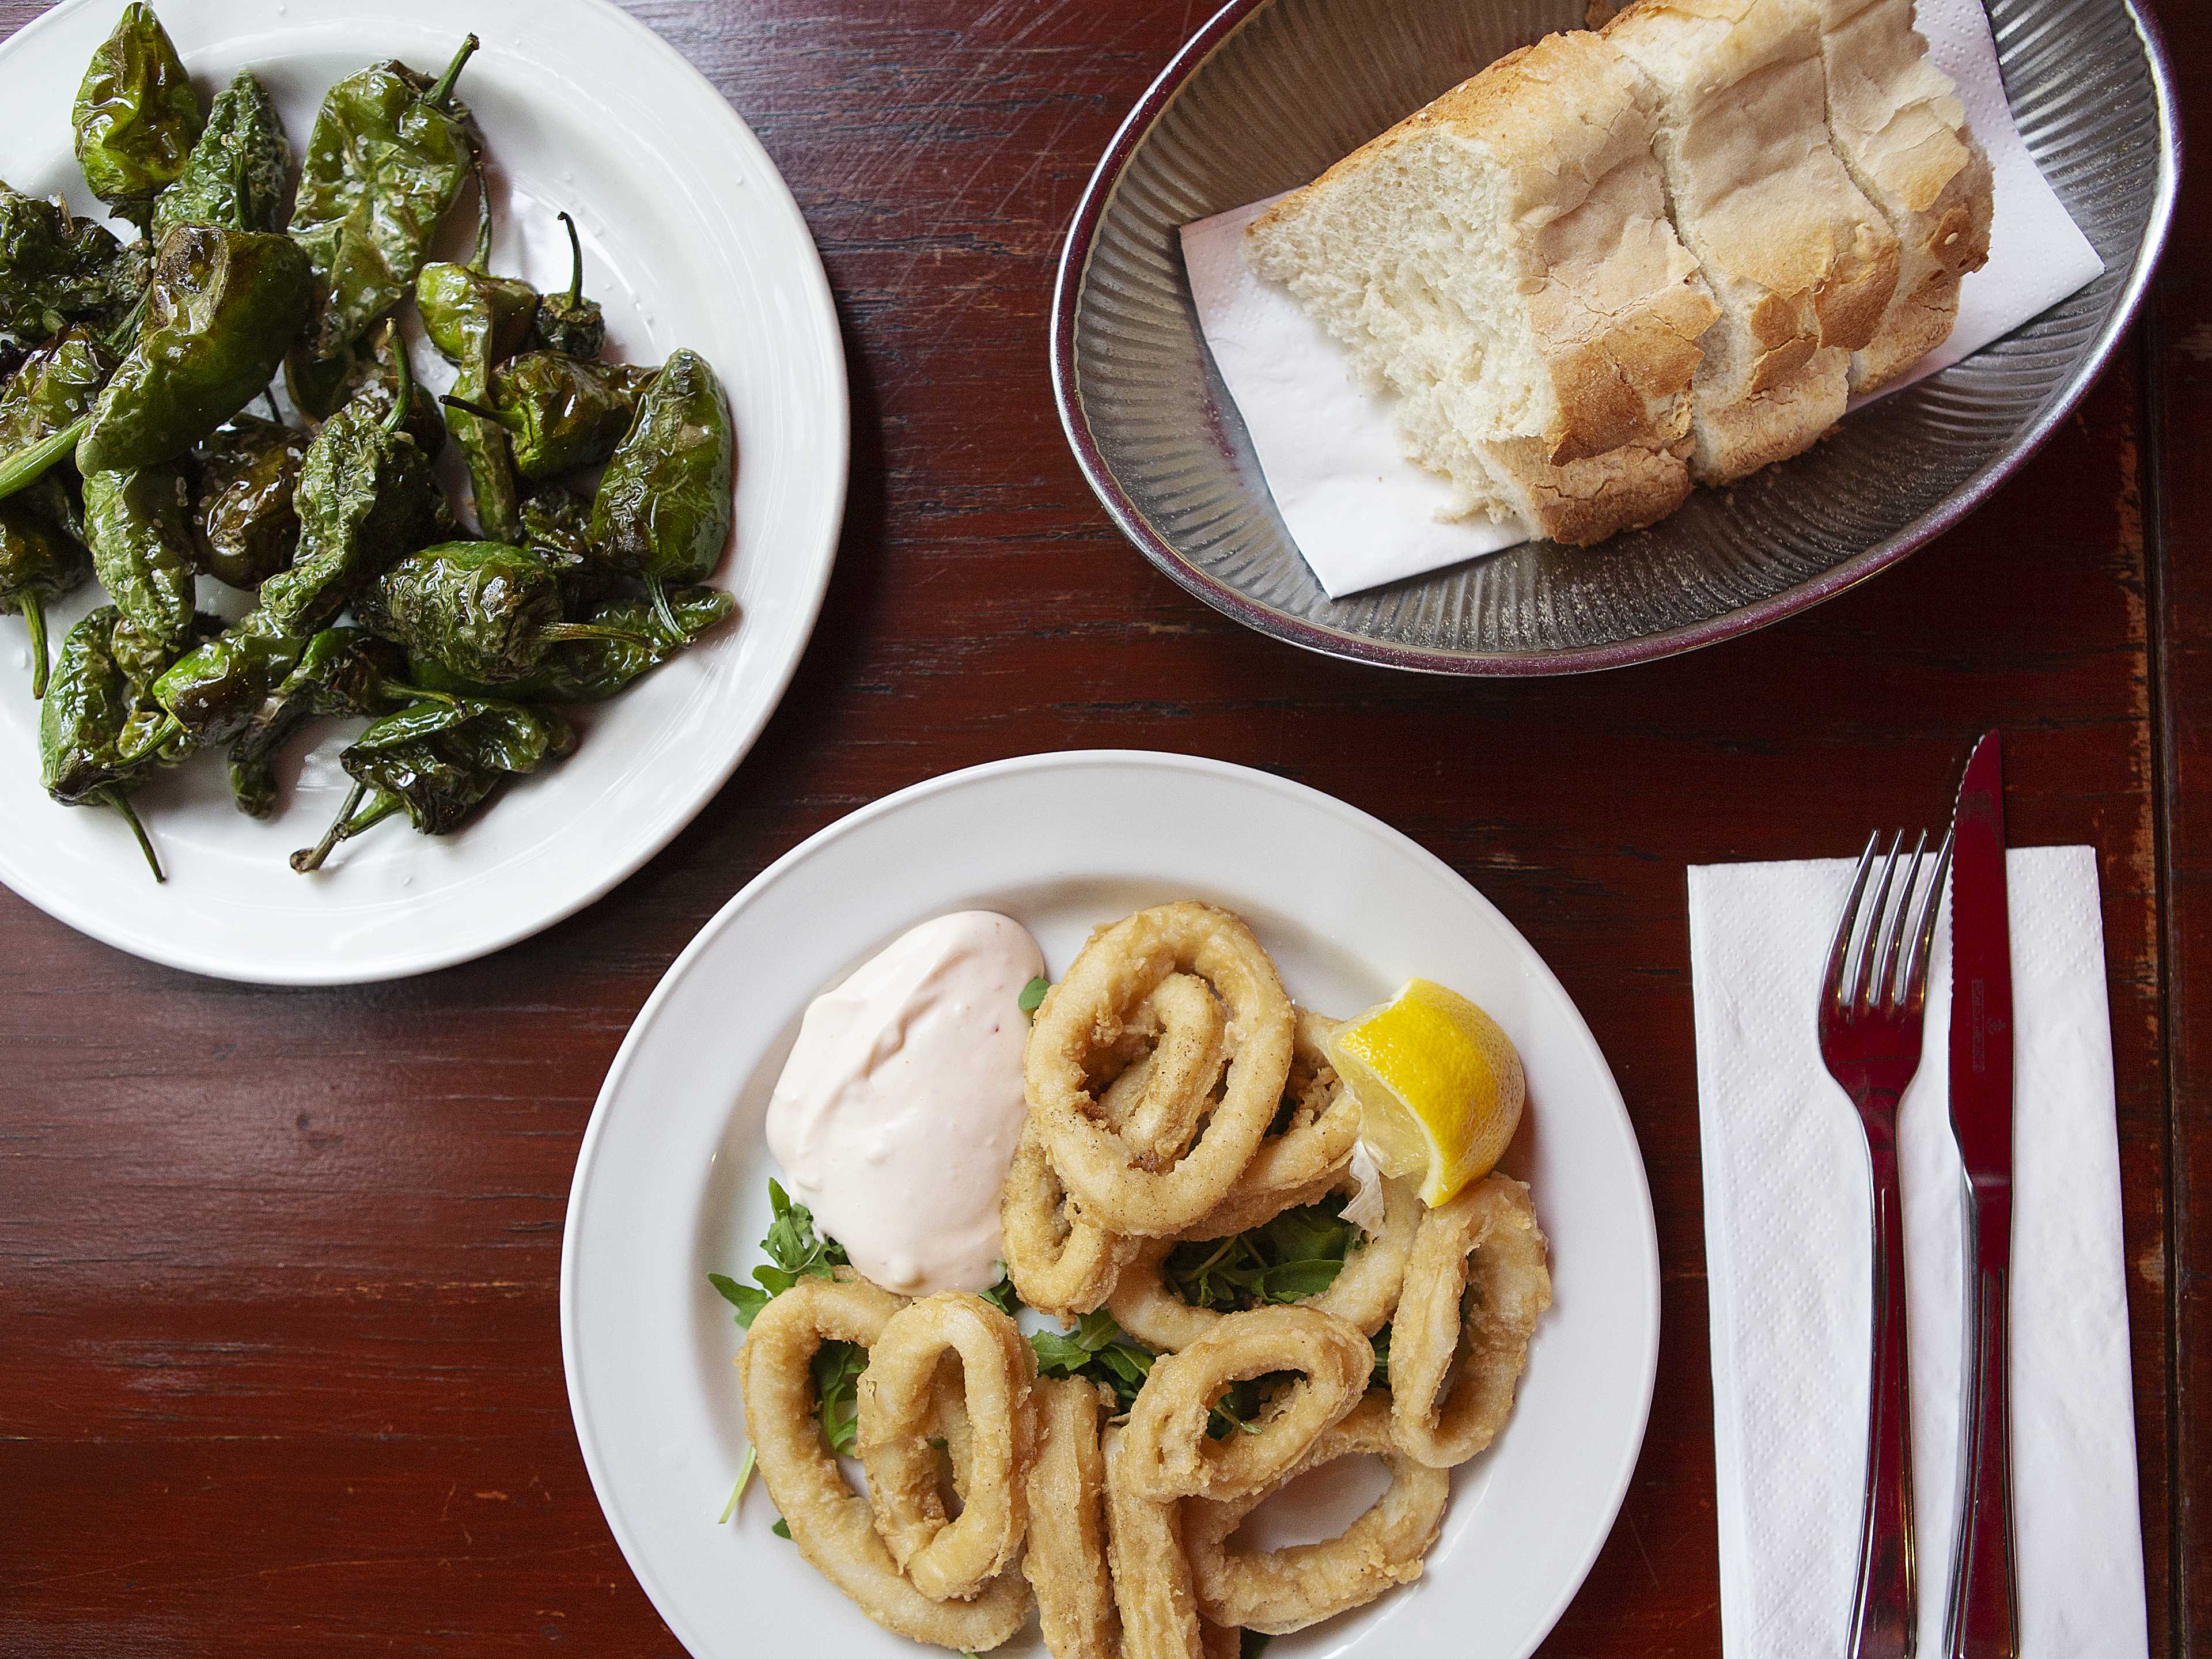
1983 1615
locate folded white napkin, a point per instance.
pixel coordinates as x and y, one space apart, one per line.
1788 1267
1362 515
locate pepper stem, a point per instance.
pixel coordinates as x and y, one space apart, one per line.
400 692
482 411
559 631
403 400
576 264
34 618
154 736
120 339
345 827
28 464
114 797
482 261
663 611
438 93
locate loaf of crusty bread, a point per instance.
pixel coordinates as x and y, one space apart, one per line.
1896 121
1803 264
1503 260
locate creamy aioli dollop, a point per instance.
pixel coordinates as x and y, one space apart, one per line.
897 1114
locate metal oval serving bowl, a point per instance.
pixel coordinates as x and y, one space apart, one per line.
1272 92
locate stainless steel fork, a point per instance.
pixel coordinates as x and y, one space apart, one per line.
1870 1017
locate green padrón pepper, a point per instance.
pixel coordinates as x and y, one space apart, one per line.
387 157
248 527
38 562
663 509
83 724
138 525
436 762
44 408
365 497
344 672
591 671
221 308
484 611
137 115
568 322
237 175
55 269
476 320
560 413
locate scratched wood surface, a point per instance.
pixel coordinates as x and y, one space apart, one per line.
279 1352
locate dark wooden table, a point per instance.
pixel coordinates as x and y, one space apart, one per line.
279 1352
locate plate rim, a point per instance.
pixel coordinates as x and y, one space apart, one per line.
1531 960
1072 278
241 967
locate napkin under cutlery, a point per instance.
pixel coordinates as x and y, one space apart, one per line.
1789 1271
1363 515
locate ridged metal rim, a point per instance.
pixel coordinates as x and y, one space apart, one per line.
1074 272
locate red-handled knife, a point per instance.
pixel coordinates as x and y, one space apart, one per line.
1983 1620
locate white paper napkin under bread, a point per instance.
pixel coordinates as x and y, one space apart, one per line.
1363 515
1789 1269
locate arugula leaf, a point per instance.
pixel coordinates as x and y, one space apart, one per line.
1296 1255
1251 1644
738 1492
1001 1295
1380 1378
747 1299
1098 1350
781 1528
1032 995
837 1367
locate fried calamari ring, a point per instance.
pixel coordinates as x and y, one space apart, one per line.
829 1522
1169 1452
1065 1562
1277 1591
1157 1098
1062 1262
1475 1286
1363 1293
948 1559
1089 1010
1304 1162
1151 1574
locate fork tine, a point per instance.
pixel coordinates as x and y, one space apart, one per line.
1863 981
1915 967
1831 984
1889 990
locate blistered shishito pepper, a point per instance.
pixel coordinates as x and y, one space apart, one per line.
220 307
138 525
55 269
136 116
365 497
38 562
560 412
248 527
663 509
83 728
436 762
476 320
239 172
44 408
484 611
591 671
344 672
567 322
387 158
555 520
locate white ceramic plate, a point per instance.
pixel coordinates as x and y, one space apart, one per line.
690 239
671 1182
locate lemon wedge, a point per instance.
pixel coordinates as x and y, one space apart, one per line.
1439 1087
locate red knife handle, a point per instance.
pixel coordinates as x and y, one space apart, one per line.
1885 1612
1984 1619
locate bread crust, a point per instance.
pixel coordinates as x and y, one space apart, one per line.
1803 264
1897 123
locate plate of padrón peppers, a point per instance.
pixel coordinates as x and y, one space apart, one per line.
413 418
